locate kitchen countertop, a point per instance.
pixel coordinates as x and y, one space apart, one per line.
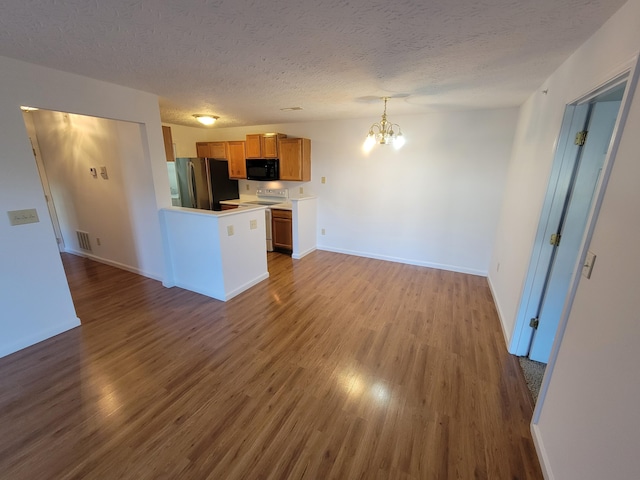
243 203
243 200
222 213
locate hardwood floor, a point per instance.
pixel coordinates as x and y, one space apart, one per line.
335 367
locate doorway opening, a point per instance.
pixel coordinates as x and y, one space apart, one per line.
585 149
96 177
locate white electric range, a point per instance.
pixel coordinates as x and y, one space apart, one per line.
269 197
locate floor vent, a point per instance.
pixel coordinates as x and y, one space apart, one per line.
83 240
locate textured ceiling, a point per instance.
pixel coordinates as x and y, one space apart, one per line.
244 60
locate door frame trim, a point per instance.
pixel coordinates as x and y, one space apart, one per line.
629 72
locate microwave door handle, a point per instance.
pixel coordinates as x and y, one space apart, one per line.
191 177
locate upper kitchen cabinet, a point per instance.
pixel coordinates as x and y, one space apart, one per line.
263 145
237 159
168 143
295 159
212 150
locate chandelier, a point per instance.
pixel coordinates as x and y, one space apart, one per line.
383 132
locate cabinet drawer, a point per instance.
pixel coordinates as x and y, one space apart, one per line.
276 213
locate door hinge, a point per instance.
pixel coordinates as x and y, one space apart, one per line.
555 239
534 322
581 138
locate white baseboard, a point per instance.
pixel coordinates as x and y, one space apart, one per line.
246 286
39 337
542 454
507 340
112 263
407 261
298 256
220 294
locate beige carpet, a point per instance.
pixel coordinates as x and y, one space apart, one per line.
533 373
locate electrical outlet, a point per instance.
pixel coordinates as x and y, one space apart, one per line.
103 172
22 217
247 186
322 231
229 230
253 224
98 241
301 190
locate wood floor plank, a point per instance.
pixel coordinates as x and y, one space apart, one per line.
334 367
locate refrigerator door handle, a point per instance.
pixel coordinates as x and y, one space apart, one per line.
191 179
208 169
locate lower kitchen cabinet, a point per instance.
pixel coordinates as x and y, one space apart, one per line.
282 230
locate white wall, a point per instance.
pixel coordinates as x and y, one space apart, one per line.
534 146
435 202
35 302
115 210
589 419
304 225
204 258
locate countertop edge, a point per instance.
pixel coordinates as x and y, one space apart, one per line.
213 213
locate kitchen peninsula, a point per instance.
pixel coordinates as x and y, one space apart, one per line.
218 254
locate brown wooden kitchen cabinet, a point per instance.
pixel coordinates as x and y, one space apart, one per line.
212 150
282 230
168 143
295 159
263 145
237 159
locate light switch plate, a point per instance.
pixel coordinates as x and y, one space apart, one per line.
229 230
22 217
587 268
253 224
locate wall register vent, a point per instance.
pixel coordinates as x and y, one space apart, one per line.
83 240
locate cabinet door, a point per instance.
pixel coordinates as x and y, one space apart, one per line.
254 146
237 160
282 229
295 159
270 146
202 149
168 143
218 150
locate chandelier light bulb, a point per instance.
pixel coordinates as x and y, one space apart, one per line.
398 142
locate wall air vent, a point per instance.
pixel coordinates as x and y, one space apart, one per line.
83 240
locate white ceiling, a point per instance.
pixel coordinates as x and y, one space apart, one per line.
244 60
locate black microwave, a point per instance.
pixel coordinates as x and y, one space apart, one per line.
263 169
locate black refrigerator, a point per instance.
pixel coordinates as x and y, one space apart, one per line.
204 182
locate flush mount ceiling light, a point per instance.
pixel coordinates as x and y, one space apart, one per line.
383 132
27 108
206 119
